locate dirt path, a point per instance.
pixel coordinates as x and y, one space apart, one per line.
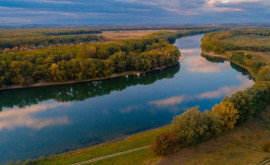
112 155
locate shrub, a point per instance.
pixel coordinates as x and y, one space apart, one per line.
190 127
264 73
249 56
248 102
165 143
265 86
228 114
214 124
238 56
266 147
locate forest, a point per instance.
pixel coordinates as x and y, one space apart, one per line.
80 62
88 61
31 38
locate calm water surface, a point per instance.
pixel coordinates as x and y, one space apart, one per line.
49 120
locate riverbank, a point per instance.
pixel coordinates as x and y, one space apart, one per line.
114 75
227 58
133 141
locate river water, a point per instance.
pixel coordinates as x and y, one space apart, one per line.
50 120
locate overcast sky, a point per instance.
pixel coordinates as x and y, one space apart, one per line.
134 11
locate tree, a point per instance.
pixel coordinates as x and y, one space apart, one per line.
248 102
228 114
190 127
165 143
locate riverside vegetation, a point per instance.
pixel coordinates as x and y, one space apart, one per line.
195 126
90 61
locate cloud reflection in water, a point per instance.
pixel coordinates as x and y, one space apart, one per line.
12 118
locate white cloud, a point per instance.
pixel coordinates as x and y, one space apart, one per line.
199 64
168 101
226 90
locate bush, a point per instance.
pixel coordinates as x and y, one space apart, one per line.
265 86
266 147
165 143
213 123
238 56
248 102
228 114
191 127
264 73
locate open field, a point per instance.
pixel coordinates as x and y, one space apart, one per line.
126 34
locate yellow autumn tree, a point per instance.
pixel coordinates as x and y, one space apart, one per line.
228 114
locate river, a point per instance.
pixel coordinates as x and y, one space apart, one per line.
49 120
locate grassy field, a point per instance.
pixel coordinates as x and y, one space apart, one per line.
243 145
126 34
249 40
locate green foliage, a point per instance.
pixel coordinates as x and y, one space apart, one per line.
264 73
29 38
248 102
87 61
165 143
194 126
265 86
238 57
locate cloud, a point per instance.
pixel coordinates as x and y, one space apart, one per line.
201 65
221 92
168 101
226 90
13 118
135 11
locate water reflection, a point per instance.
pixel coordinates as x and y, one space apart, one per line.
12 118
78 92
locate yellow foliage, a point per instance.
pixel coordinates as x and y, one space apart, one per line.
228 114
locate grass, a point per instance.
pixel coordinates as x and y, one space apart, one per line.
134 141
248 40
243 145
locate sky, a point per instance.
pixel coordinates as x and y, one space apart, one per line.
108 12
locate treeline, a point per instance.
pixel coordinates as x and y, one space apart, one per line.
79 92
72 32
241 39
30 42
11 38
80 62
194 126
